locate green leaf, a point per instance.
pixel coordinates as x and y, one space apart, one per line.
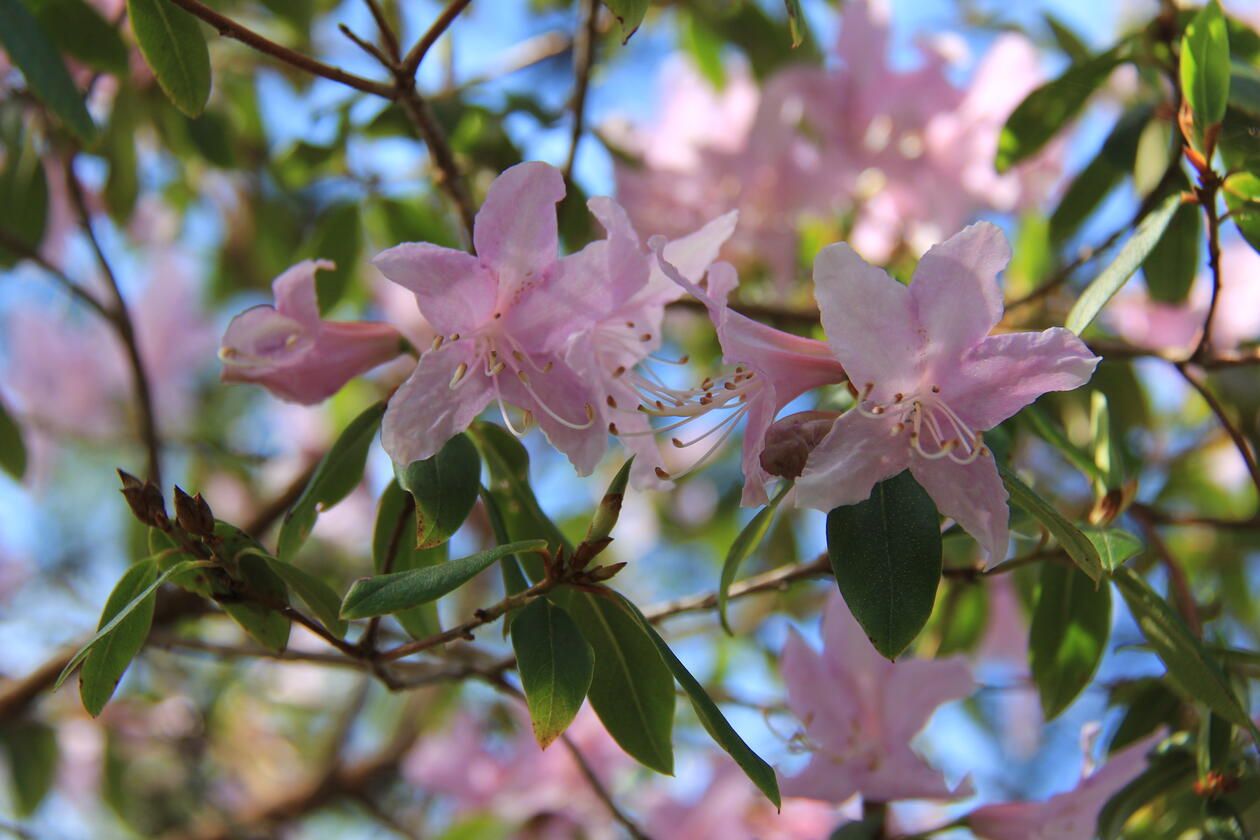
108 660
1114 161
1069 537
445 489
119 617
12 449
337 474
608 511
886 554
1048 108
1114 545
508 463
385 594
338 236
171 41
23 196
316 594
1204 66
263 621
31 749
1171 772
715 723
1068 636
394 550
629 13
1115 275
796 22
555 664
1151 704
1171 266
211 136
744 545
1191 669
81 31
1243 197
1066 38
1050 431
30 48
122 186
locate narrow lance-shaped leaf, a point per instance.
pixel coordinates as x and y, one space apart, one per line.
31 749
1114 545
12 449
445 490
1068 636
886 555
337 474
1173 263
1050 431
796 22
260 612
1069 537
745 544
23 197
394 550
385 594
82 32
609 508
629 14
172 44
555 663
108 660
1114 161
1114 276
316 594
30 48
1204 69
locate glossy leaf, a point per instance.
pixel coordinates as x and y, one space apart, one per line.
445 489
31 749
1243 198
12 449
394 550
886 555
1114 545
386 594
1101 175
629 14
715 723
1174 262
1150 704
337 474
107 661
1191 668
796 22
1114 276
316 594
555 663
1048 108
1069 537
260 616
172 44
1171 772
1204 69
34 53
83 33
745 544
1068 636
508 463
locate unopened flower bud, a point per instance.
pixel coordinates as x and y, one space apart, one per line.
193 514
790 440
599 574
145 500
609 507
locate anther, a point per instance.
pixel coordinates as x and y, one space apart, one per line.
437 342
590 412
898 397
620 370
611 402
879 409
612 429
661 474
645 337
460 370
454 337
677 443
523 376
730 386
547 367
936 389
898 428
518 355
498 315
496 369
630 324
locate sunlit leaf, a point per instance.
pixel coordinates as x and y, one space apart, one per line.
1069 537
555 663
1068 635
171 41
745 544
107 661
1204 69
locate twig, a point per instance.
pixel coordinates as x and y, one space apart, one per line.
774 580
1235 434
602 792
369 48
1208 361
368 642
583 62
527 53
416 54
1207 199
1177 580
447 175
388 36
17 246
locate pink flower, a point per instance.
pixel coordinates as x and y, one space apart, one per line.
860 712
930 379
1067 816
295 354
772 369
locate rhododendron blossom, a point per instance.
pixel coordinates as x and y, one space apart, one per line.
293 352
929 379
860 712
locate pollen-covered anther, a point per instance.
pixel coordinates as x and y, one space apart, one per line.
438 341
547 367
495 369
645 337
457 377
730 386
590 412
454 337
936 389
518 355
618 372
523 376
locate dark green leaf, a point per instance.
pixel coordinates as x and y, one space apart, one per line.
12 449
23 197
445 489
1115 275
1244 89
629 13
1070 538
175 49
1114 161
394 550
385 594
704 47
30 48
715 723
765 40
886 555
1167 773
31 748
337 474
123 184
744 545
960 616
1068 636
108 660
1066 38
316 594
1151 704
870 828
555 664
1243 197
1171 266
1048 108
1114 545
1051 433
265 595
508 463
79 30
1204 67
338 236
1191 669
211 135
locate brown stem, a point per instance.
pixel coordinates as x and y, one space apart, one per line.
583 62
368 642
416 54
1208 361
17 246
602 792
1207 198
773 580
1235 434
388 36
426 125
1177 580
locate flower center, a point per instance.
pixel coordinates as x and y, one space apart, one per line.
936 430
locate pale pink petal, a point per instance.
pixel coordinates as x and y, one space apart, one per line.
820 696
901 774
294 291
1004 373
914 689
572 297
955 289
565 406
625 258
824 779
456 293
844 467
425 412
691 255
761 410
870 322
515 230
848 651
972 494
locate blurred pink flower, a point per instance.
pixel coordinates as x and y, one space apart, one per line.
930 379
294 353
1067 816
860 712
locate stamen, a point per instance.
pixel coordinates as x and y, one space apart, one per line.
936 389
460 370
437 342
661 474
611 402
454 337
496 370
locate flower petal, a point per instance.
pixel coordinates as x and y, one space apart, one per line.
454 290
515 230
1004 373
973 495
914 689
294 291
691 255
955 290
566 408
870 322
425 412
842 469
820 695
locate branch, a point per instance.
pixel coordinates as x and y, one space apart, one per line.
583 62
26 252
775 580
426 125
416 54
1235 434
